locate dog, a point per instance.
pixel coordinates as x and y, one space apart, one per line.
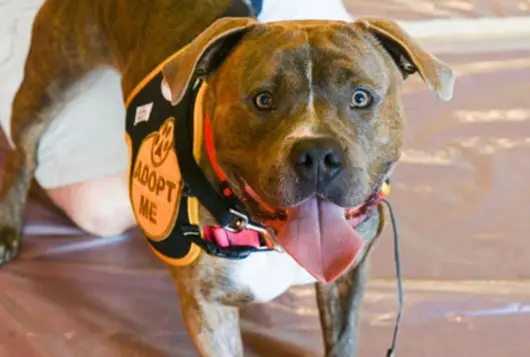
305 124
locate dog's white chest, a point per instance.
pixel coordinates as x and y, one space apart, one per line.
267 275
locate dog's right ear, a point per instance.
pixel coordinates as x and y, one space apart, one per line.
203 54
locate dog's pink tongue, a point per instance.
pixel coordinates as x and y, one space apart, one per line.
318 236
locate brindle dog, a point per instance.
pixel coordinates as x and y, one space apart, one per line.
318 102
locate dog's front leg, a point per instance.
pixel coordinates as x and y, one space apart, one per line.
339 305
213 326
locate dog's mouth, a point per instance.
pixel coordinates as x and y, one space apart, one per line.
317 233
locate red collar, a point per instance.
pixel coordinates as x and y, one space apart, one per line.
210 151
219 235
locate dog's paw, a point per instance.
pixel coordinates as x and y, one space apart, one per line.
9 243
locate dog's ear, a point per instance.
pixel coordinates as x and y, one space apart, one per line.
203 54
409 55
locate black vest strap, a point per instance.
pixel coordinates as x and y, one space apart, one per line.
227 210
192 174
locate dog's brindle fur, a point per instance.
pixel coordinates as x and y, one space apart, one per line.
310 67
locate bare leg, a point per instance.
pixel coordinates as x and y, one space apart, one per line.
99 206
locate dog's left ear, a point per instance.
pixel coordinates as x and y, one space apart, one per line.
203 54
410 56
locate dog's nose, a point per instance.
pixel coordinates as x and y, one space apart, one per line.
317 160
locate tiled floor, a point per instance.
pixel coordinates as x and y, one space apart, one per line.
461 197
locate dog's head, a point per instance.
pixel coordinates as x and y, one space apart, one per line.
307 120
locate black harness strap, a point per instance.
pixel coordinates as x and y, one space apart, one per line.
227 210
196 181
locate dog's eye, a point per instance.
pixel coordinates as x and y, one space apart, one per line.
264 101
361 99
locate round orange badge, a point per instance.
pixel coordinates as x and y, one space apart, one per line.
156 183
